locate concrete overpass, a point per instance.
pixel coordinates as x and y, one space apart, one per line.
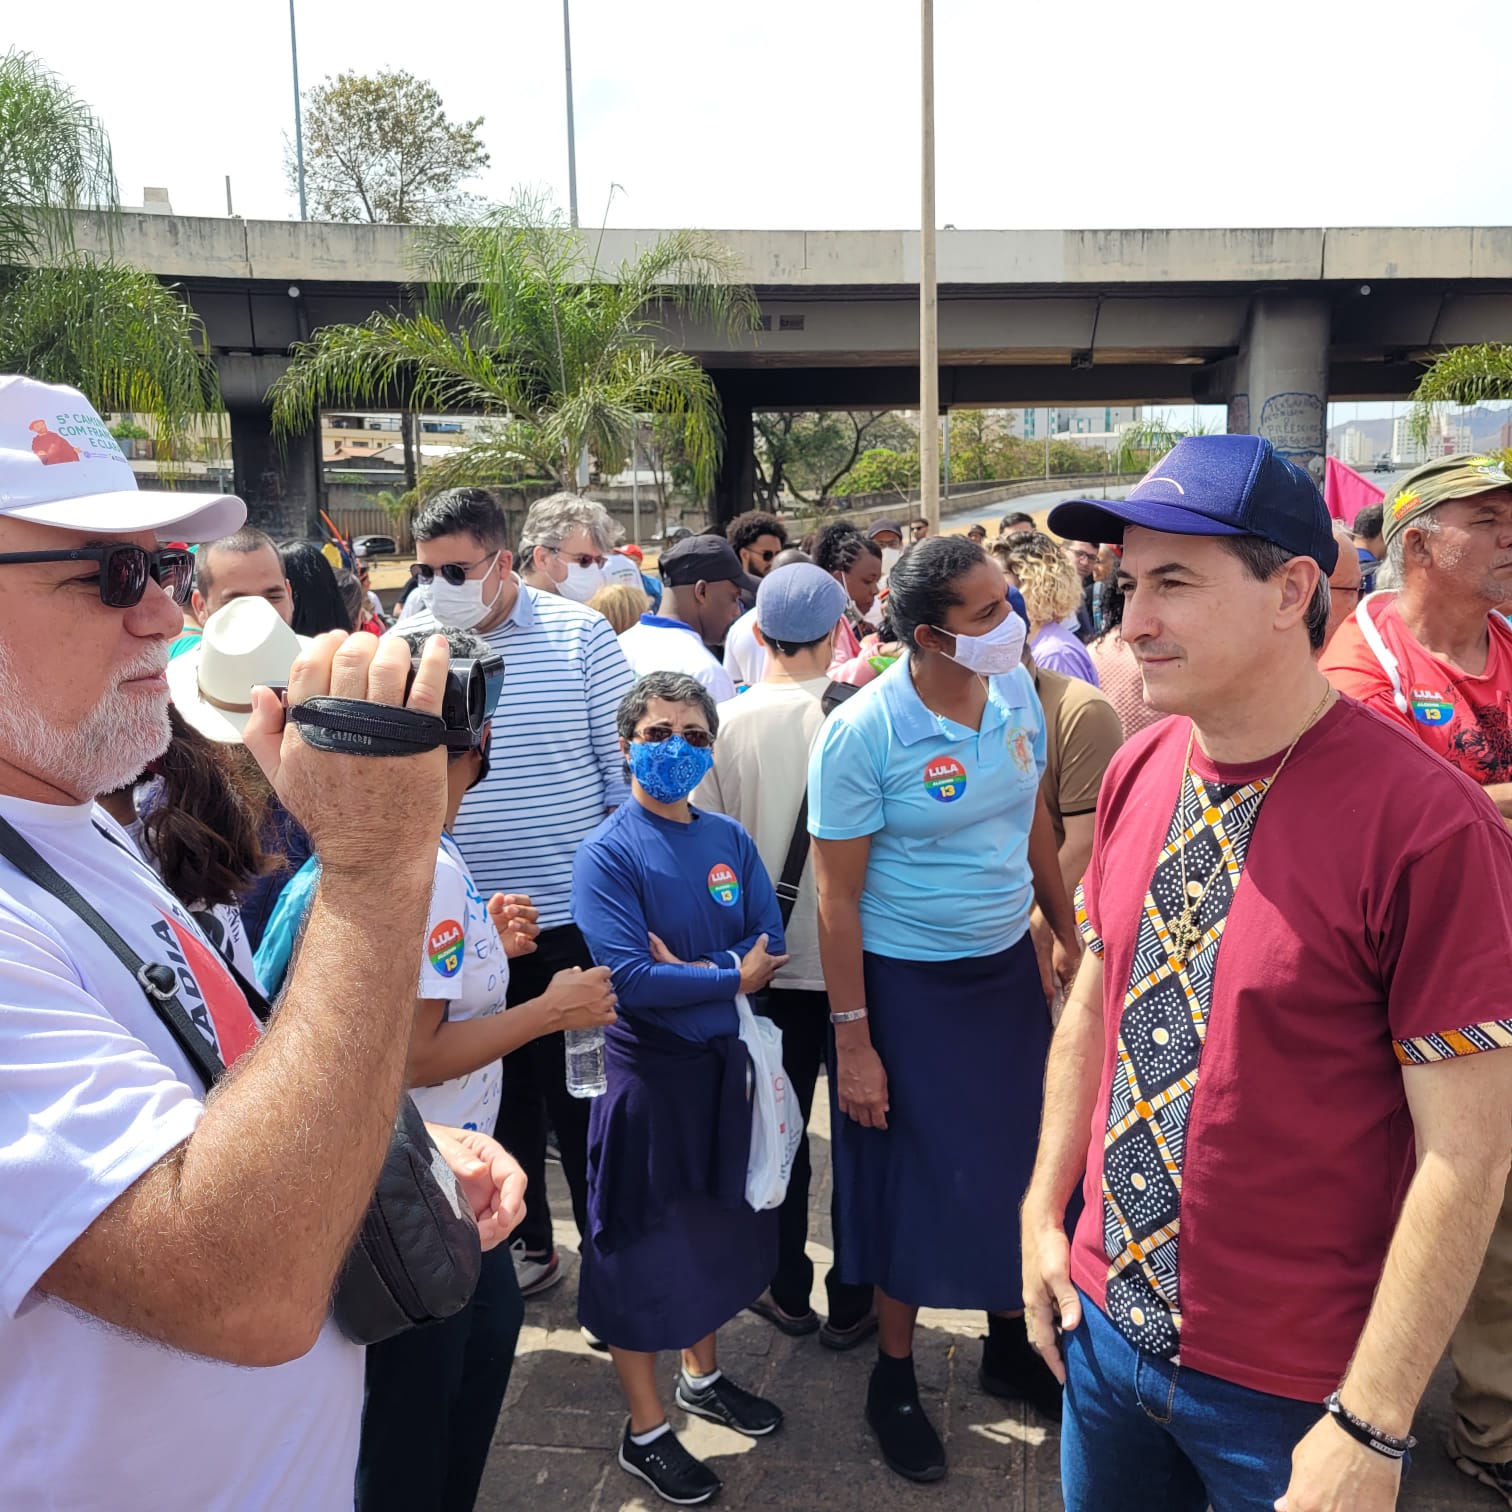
1271 322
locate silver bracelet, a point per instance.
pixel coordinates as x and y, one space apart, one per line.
853 1017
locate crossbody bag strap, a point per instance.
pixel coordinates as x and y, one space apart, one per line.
792 868
158 981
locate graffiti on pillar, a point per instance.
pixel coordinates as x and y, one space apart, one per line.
1293 424
1238 415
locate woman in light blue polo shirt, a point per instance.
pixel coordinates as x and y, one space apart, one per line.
931 845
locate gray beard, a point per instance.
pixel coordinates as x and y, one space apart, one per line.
107 749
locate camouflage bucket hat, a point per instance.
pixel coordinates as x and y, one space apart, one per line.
1461 476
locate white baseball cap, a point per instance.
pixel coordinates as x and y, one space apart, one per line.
245 645
622 569
59 465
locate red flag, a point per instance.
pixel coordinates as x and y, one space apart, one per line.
1345 492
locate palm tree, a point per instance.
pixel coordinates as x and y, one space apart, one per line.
111 330
516 321
1462 375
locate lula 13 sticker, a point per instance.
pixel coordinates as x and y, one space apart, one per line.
445 947
944 779
1430 706
724 885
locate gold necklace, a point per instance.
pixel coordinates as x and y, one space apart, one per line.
1185 935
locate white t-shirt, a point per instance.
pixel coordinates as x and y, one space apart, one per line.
760 773
668 645
745 658
93 1091
464 964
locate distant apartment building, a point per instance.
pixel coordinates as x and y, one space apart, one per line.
1355 448
203 454
1086 420
364 441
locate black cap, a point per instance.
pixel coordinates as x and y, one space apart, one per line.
704 559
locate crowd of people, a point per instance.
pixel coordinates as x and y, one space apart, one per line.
969 821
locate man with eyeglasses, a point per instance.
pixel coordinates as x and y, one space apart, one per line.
563 546
757 538
555 771
1343 582
169 1259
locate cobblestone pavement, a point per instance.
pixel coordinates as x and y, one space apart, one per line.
563 1416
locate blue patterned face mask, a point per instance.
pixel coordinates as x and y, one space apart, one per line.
669 769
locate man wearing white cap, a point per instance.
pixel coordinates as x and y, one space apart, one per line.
206 1236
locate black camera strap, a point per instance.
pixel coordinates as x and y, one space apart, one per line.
357 728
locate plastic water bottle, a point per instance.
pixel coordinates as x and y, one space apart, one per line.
585 1063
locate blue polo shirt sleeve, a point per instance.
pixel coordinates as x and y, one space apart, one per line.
845 782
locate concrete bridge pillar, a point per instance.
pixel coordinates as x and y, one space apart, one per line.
278 478
735 486
1281 377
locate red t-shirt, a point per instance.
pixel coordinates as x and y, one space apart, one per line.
1371 928
1464 719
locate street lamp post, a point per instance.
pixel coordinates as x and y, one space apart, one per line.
572 208
298 110
929 330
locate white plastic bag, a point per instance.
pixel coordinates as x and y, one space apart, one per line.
776 1123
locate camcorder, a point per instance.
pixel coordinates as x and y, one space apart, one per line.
354 726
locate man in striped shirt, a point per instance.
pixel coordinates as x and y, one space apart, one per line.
555 770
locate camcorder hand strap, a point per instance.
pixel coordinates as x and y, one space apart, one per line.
356 728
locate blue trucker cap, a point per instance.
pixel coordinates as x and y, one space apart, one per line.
1214 485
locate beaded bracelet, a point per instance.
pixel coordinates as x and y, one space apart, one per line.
1366 1433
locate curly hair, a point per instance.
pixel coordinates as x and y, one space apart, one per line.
1047 580
839 545
746 529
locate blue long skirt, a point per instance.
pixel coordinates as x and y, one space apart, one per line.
927 1208
673 1250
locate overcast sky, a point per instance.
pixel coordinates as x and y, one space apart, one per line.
804 113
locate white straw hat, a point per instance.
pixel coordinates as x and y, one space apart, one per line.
59 465
245 645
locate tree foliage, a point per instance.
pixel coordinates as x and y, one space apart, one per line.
380 148
810 456
1462 375
517 321
111 330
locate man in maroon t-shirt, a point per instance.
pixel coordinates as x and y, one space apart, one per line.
1436 657
1296 1153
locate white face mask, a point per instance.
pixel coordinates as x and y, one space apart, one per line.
581 583
462 604
890 557
997 652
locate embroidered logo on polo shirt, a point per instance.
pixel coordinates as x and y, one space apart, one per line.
1430 707
944 779
724 885
445 948
1021 749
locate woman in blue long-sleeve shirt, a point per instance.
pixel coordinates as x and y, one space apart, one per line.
678 905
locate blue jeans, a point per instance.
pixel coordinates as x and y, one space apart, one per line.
1141 1432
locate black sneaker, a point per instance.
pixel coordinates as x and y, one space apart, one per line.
1014 1372
906 1437
670 1470
1498 1477
725 1402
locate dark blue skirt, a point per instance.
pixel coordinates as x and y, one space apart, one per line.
673 1249
927 1208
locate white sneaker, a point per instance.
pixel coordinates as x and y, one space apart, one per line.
534 1276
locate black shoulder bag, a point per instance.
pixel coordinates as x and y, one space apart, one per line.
416 1258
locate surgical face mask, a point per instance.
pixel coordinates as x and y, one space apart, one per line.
890 557
997 652
581 583
669 769
462 604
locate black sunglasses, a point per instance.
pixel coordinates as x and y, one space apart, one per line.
455 573
124 570
699 739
